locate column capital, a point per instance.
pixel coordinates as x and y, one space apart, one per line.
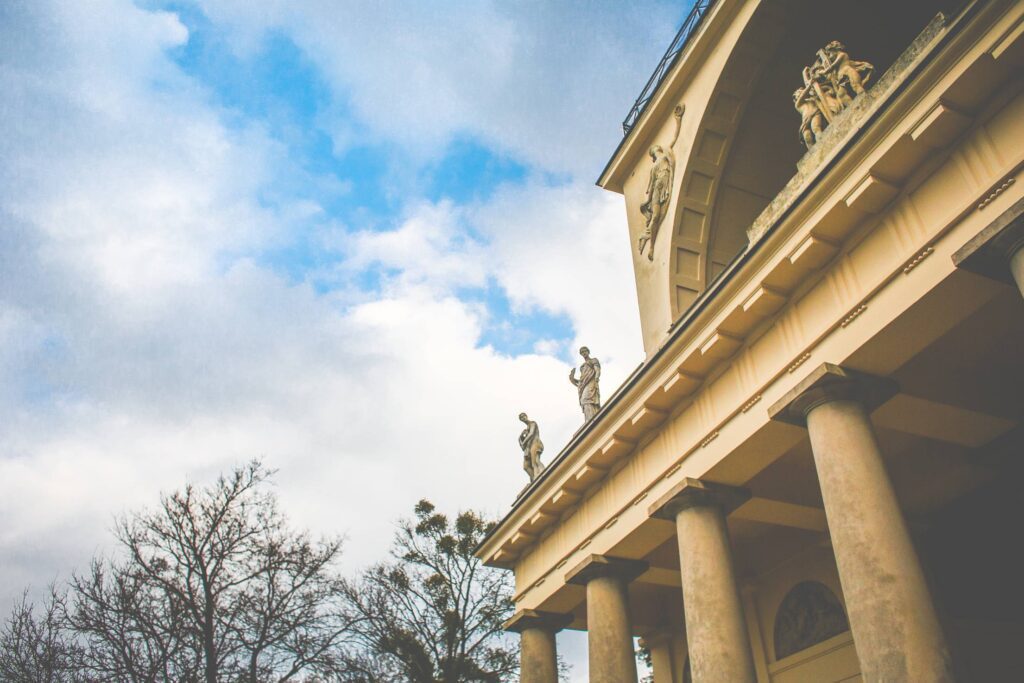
828 383
529 618
988 253
697 493
597 566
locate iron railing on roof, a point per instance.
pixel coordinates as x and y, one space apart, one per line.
689 27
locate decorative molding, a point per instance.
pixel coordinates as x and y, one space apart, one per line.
752 402
995 193
916 261
854 314
708 439
798 362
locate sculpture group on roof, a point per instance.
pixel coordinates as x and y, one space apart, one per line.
830 86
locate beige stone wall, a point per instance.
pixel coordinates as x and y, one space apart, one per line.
852 265
659 304
857 253
869 274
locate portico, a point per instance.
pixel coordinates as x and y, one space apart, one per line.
810 476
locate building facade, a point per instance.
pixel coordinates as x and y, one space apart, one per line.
814 475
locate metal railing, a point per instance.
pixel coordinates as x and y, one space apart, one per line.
689 27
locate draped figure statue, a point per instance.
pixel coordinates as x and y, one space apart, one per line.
587 384
659 189
529 441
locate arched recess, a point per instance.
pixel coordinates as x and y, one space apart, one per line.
747 143
809 614
688 257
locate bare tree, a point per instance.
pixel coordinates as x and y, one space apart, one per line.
36 648
434 613
215 586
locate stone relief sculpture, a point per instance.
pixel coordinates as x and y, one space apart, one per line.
809 614
830 85
533 447
659 189
587 384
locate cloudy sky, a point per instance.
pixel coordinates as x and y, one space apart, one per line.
352 238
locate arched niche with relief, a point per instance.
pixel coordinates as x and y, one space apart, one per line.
809 614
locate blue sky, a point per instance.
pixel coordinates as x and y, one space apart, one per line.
277 87
354 239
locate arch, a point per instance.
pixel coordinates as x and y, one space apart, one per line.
746 145
691 236
809 614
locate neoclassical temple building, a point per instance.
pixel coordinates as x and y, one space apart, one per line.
815 474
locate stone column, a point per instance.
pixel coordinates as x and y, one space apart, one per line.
662 665
998 250
716 632
609 629
537 652
895 627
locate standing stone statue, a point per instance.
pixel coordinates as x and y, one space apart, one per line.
659 189
587 384
532 447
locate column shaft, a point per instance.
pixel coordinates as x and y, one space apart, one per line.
894 624
609 633
661 661
1017 267
538 658
716 633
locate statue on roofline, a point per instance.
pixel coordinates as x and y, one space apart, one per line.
830 86
587 384
532 447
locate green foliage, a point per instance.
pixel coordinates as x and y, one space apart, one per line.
433 614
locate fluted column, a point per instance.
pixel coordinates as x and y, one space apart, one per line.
538 655
998 250
894 623
609 628
716 632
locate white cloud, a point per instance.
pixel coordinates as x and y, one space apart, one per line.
429 249
548 82
143 340
566 250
